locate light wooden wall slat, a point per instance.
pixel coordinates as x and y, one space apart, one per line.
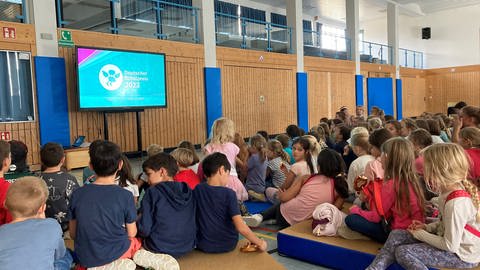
452 85
242 87
318 93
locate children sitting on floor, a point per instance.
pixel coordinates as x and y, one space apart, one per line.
167 213
218 215
59 183
454 241
5 160
31 241
184 158
102 218
397 201
307 192
257 168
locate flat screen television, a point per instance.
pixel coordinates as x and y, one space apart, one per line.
112 80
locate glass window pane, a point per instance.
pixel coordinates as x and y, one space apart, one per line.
10 10
16 98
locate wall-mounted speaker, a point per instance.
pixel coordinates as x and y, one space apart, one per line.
426 33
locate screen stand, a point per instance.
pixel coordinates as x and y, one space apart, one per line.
139 126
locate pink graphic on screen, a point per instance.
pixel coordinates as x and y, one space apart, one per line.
84 54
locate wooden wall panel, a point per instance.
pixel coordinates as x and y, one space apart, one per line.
184 117
343 91
242 90
452 85
413 96
319 101
27 132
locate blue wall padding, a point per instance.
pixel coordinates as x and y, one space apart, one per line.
359 90
213 95
324 254
52 100
302 100
398 87
380 94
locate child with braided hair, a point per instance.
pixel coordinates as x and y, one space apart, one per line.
453 241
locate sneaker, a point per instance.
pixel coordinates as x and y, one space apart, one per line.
120 264
156 261
253 220
257 196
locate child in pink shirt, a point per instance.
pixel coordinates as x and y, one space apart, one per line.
223 134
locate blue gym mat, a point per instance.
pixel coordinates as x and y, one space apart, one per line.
257 207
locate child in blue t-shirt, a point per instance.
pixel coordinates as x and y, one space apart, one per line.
102 218
218 215
167 212
31 241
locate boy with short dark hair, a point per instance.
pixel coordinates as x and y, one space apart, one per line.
31 241
5 160
218 215
167 213
19 167
60 184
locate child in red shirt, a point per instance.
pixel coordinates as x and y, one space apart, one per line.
5 160
184 158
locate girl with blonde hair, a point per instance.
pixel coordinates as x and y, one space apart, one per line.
223 134
453 241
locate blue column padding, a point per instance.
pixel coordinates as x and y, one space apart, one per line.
359 90
302 100
213 95
52 100
380 94
398 87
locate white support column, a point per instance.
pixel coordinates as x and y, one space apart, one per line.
295 21
353 30
392 22
44 18
206 30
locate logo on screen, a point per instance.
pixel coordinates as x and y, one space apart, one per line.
110 77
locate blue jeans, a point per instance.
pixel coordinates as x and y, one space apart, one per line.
64 263
360 224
